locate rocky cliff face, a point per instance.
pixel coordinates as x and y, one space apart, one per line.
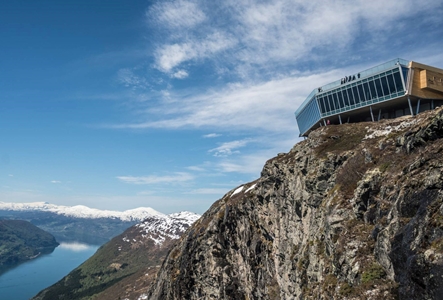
353 212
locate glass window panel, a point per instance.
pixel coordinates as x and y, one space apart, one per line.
398 82
351 98
384 84
328 107
405 73
322 105
340 99
355 92
361 93
391 83
337 105
367 91
345 97
372 89
379 88
331 101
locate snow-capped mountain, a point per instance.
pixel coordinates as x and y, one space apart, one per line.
88 225
159 228
81 211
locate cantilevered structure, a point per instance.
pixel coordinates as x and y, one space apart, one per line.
393 89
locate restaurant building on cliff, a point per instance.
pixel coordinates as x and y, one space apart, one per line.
390 90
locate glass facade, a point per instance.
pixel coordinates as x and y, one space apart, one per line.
373 89
308 116
378 84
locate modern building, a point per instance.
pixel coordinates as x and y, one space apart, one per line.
393 89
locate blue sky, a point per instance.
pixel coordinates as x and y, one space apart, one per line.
170 104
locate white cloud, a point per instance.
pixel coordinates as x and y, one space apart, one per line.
129 79
10 175
56 181
260 37
229 148
212 135
180 74
170 56
176 177
176 15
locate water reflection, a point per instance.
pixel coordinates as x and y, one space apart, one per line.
75 246
26 280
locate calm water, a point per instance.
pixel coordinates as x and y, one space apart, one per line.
26 280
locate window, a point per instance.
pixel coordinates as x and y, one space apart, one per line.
367 91
345 97
322 105
379 88
328 107
361 93
391 84
332 102
372 89
337 104
398 82
384 84
356 96
340 98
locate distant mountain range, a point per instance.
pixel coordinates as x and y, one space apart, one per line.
82 212
80 223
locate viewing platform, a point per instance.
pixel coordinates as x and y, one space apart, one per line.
392 89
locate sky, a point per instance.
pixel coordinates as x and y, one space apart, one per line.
170 104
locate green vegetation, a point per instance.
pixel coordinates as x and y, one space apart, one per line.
374 272
21 241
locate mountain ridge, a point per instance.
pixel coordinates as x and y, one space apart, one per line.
80 223
82 211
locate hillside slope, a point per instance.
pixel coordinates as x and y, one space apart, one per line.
353 212
118 265
21 241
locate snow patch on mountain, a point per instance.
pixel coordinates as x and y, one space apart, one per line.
81 211
159 228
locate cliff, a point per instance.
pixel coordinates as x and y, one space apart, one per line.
353 212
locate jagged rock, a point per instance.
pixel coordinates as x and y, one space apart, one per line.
349 213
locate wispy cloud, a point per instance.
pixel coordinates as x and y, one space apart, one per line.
56 181
10 175
211 135
252 37
180 74
170 56
175 178
266 106
229 148
196 168
128 78
176 15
